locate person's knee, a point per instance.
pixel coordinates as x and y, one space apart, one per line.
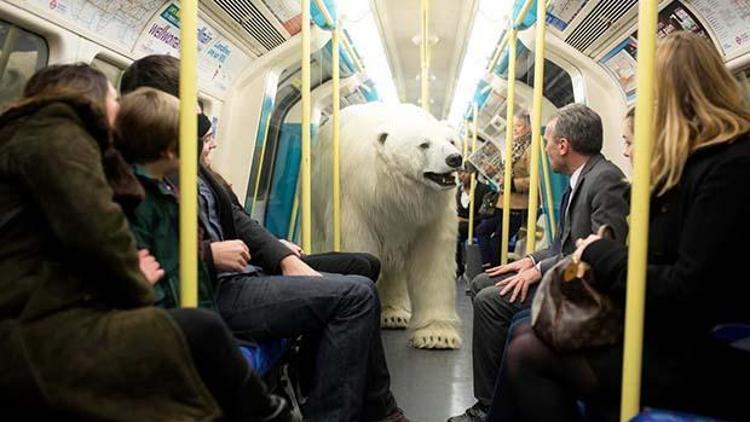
362 290
479 282
374 264
523 353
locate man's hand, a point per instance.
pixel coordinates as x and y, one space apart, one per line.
293 246
513 267
520 284
230 255
149 267
293 266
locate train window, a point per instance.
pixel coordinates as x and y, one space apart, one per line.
21 54
111 70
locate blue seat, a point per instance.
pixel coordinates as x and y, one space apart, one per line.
654 415
264 355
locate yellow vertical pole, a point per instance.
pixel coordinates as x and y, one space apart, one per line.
473 184
424 54
508 159
548 191
536 125
189 154
638 248
336 142
306 136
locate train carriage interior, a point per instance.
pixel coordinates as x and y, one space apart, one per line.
451 58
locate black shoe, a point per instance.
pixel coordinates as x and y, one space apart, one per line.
473 414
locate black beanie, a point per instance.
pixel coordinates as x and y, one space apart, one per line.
204 125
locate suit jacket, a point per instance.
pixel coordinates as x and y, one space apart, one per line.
599 197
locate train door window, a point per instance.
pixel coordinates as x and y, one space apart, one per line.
111 70
21 54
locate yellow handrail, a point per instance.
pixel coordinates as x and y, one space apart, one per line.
508 159
548 189
424 54
639 210
336 141
473 185
504 41
188 154
306 136
536 126
329 20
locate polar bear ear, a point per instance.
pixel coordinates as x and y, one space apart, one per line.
382 137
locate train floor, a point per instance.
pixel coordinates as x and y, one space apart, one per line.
432 385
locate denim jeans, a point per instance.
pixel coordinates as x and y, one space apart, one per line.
341 314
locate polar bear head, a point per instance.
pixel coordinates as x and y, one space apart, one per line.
416 146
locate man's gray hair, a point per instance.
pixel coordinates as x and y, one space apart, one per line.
581 126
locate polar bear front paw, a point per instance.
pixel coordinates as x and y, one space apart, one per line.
436 336
391 317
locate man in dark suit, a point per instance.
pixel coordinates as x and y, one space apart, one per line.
596 195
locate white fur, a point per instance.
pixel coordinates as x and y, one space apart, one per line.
390 210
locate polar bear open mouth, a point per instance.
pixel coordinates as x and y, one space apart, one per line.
442 179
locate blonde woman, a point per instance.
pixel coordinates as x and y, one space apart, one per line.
699 231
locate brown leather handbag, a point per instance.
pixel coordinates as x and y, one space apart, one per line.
569 314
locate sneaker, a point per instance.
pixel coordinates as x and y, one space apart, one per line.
473 414
396 416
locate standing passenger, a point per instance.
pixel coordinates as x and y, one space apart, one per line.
700 200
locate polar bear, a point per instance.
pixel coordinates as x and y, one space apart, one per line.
397 185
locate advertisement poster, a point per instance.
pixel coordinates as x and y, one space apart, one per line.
677 17
218 59
562 12
622 63
288 12
729 20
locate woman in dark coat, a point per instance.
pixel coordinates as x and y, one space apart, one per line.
78 335
696 277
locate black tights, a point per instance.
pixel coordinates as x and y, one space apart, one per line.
223 369
537 384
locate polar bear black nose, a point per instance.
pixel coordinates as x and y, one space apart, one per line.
454 160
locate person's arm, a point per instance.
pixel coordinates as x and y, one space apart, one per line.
65 177
713 228
609 204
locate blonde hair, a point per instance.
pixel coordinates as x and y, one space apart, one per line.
698 104
147 125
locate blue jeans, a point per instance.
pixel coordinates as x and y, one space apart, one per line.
342 315
489 232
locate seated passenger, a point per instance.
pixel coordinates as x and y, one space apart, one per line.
79 338
462 205
147 134
700 200
596 196
264 290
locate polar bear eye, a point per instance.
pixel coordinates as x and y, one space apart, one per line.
424 145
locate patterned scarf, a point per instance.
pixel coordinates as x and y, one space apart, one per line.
520 145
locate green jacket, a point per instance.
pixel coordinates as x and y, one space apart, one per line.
78 334
155 225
